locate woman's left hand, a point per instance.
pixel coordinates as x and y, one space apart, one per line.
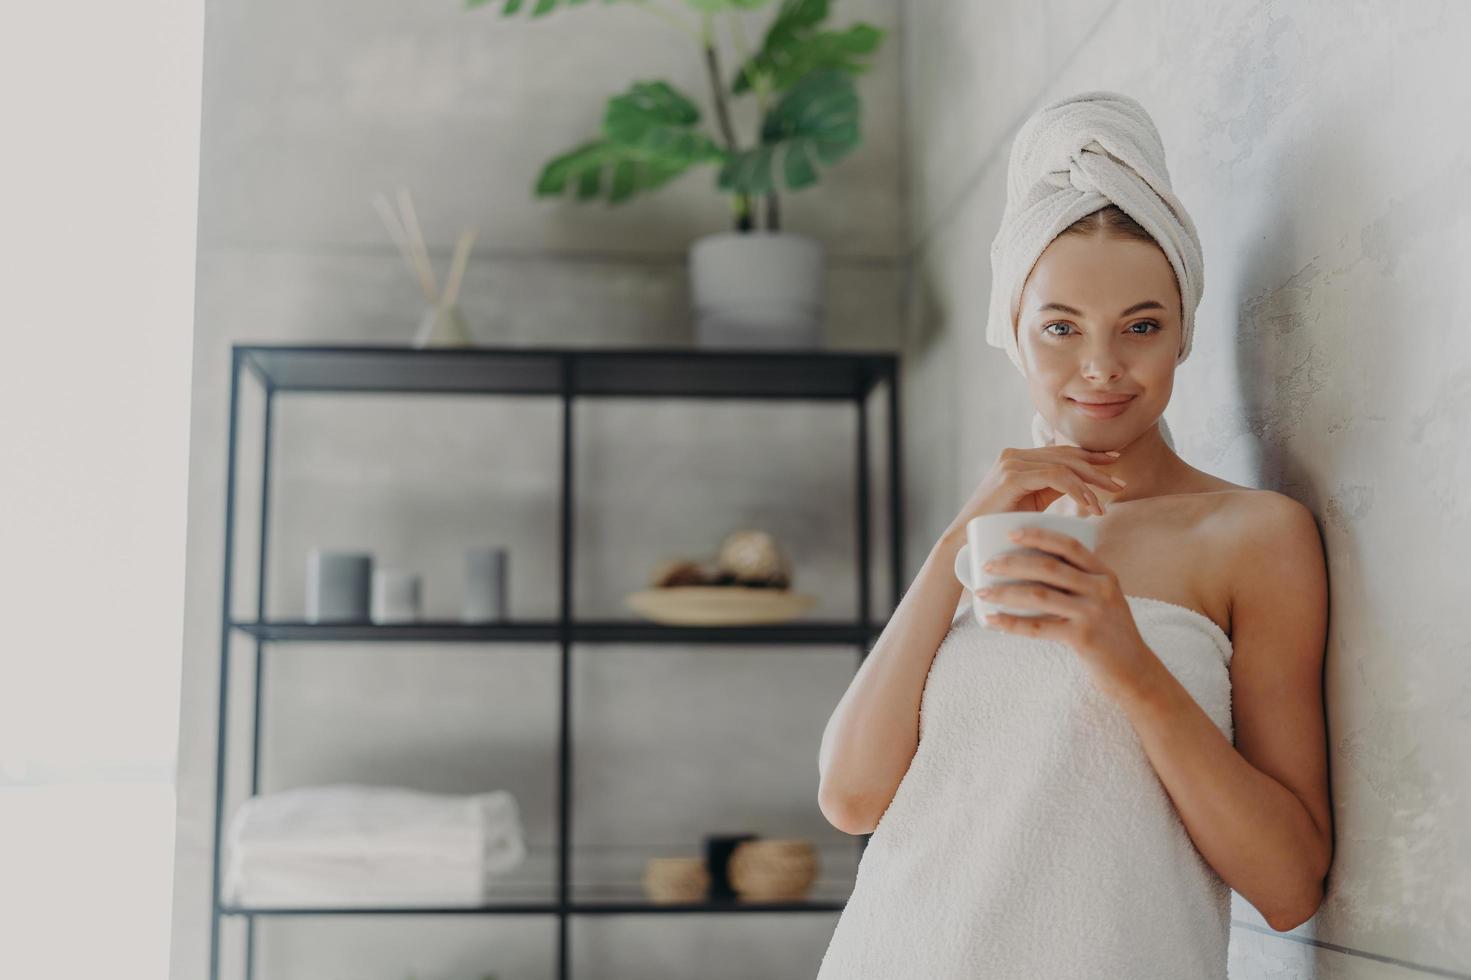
1086 605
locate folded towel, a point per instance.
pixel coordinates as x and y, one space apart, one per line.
381 821
352 844
354 884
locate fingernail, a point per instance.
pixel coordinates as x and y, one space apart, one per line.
1114 452
1122 483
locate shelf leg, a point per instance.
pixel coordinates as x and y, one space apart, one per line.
564 748
214 925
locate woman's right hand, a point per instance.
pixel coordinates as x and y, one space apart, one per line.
1031 479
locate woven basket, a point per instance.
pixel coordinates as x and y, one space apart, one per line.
676 879
773 870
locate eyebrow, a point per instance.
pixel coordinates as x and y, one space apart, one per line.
1148 304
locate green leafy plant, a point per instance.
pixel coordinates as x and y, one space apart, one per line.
801 78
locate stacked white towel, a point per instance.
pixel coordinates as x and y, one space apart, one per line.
353 845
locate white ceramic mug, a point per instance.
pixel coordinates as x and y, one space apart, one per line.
986 537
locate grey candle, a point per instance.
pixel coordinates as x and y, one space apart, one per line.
338 586
485 585
396 596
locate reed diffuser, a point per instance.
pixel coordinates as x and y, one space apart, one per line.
443 325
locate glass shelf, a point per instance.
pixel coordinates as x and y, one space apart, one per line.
637 372
532 631
602 890
631 906
599 900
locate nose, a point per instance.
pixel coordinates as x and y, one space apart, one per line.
1100 363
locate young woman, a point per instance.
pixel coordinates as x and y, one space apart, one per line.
1076 795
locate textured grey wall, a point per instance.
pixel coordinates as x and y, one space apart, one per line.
309 110
1320 148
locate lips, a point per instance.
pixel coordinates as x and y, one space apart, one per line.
1104 400
1103 410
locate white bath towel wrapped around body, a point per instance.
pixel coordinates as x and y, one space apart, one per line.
346 844
1031 837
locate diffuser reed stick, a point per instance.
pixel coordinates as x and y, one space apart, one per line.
411 222
457 266
410 256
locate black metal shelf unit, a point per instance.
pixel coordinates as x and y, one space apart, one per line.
566 374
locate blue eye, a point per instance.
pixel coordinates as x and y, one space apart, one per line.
1142 323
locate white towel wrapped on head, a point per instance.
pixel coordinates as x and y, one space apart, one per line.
1071 158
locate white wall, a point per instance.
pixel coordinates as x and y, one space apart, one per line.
100 103
1320 148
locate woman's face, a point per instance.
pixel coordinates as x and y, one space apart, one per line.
1100 319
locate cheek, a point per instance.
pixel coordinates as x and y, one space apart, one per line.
1037 351
1157 372
1052 366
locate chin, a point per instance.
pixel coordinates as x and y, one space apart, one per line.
1096 442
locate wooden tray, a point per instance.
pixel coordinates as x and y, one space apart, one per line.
719 605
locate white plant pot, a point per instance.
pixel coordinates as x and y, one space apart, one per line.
758 289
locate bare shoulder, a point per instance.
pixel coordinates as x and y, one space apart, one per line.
1249 520
1274 564
1254 534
